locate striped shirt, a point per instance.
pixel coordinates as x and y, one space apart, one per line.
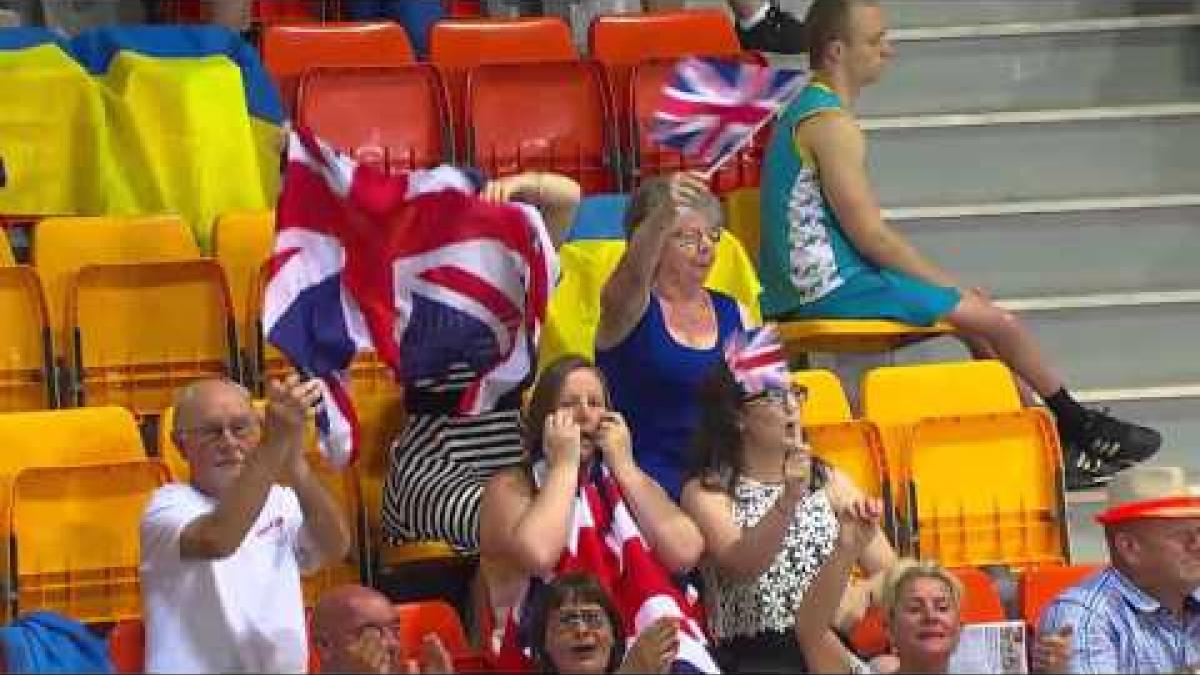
1119 628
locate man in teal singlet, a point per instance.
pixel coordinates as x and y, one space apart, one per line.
827 253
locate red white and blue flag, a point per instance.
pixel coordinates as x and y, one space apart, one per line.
605 542
711 107
413 266
757 360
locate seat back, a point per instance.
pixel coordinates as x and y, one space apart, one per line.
75 530
854 448
826 401
63 245
981 600
905 394
242 243
457 45
986 489
140 331
6 253
626 39
127 646
355 110
1041 584
418 619
27 357
290 49
549 116
641 98
743 219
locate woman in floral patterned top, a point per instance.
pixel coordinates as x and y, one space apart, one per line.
766 508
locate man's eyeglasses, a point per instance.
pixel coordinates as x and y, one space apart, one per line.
690 240
241 428
591 618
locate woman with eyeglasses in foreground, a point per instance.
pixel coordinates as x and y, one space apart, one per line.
766 508
660 329
921 602
576 629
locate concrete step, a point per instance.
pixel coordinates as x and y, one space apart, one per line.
1115 340
932 160
1063 247
1070 64
1175 413
923 13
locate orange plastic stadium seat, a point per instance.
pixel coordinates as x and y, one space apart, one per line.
825 401
290 49
355 110
549 116
637 104
418 619
457 45
141 330
127 646
6 252
1041 584
63 245
854 448
27 355
75 530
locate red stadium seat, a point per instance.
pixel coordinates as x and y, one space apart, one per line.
546 116
355 110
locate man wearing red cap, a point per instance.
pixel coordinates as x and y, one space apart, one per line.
1142 613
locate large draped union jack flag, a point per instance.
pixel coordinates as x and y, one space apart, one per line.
414 266
710 107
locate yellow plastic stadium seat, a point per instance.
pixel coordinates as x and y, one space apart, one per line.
343 486
26 351
6 252
63 245
1000 476
987 489
55 438
242 243
140 331
76 531
826 400
905 394
854 448
821 335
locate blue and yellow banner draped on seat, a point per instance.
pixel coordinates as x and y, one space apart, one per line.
137 120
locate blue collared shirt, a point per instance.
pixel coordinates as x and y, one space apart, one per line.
1121 629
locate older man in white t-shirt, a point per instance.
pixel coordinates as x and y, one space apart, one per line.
222 555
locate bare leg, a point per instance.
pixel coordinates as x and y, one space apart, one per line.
1004 335
981 349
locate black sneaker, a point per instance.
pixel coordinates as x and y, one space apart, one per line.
1116 442
779 32
1084 472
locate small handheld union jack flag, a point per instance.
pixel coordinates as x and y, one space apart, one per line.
710 108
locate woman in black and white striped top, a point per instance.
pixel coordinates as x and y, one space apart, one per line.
440 462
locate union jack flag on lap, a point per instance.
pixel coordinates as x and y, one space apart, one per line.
413 266
710 107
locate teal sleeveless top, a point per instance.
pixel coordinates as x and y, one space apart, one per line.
804 254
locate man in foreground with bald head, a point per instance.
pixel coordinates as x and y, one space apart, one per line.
222 555
356 630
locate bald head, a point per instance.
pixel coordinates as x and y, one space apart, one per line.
192 399
356 629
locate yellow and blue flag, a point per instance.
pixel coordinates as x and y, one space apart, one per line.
136 120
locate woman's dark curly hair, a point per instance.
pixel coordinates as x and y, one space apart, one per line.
571 589
718 454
